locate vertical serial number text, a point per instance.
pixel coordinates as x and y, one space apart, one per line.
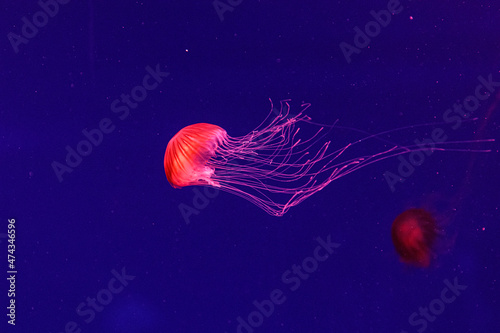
11 271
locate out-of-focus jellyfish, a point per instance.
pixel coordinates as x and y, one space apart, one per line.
413 233
272 166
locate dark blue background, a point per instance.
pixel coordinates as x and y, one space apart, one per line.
116 209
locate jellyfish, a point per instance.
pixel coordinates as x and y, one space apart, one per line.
414 233
273 166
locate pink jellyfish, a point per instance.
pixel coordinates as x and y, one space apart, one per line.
271 166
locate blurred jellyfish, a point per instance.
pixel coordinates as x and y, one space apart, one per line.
413 233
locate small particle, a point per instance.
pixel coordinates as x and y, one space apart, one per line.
411 17
187 50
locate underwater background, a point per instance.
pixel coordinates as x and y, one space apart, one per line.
103 243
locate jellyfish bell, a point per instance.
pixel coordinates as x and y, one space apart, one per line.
423 236
414 233
188 152
273 166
